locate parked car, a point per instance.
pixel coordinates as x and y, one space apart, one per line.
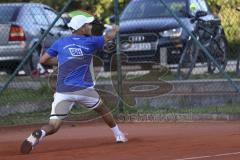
154 34
21 26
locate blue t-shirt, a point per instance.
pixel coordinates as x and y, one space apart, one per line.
74 58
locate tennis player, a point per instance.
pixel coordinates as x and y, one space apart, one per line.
73 55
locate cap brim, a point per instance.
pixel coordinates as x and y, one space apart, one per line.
90 19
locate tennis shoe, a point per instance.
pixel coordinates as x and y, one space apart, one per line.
121 138
29 143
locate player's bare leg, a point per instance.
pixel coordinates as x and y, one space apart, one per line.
51 128
109 120
106 115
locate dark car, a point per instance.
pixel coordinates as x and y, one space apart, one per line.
21 26
154 34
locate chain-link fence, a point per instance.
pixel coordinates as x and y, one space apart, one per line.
177 57
172 57
27 29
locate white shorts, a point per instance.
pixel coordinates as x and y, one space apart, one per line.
63 102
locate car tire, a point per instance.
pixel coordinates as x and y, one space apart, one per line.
11 67
31 64
10 71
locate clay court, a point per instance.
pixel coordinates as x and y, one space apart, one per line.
147 141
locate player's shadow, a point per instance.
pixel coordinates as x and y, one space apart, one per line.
78 145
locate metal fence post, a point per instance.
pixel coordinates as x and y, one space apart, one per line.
119 69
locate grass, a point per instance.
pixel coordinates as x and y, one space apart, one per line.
206 76
165 74
4 78
25 118
14 96
82 114
18 95
232 109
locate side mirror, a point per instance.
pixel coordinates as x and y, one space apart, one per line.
62 22
66 20
201 13
64 26
185 13
112 18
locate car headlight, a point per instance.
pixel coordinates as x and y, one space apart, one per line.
175 32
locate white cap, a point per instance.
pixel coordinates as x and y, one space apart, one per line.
78 21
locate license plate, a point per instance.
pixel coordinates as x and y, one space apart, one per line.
139 47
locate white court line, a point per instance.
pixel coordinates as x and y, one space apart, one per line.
218 155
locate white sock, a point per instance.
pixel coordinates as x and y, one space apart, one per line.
116 130
32 139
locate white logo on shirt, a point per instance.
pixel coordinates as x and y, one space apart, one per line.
76 52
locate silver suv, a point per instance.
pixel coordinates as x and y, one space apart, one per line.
21 26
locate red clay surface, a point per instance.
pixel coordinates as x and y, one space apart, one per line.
147 141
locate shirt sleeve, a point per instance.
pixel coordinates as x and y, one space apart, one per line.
98 41
53 50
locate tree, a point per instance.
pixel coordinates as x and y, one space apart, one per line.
229 12
216 5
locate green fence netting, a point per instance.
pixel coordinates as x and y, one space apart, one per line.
159 63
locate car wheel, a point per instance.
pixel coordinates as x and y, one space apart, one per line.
10 71
31 64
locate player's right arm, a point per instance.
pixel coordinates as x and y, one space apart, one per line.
98 41
110 35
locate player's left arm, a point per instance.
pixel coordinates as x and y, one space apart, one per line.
49 57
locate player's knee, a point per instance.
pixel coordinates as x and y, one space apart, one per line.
95 104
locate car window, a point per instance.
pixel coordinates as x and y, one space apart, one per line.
9 13
152 9
38 15
199 5
51 15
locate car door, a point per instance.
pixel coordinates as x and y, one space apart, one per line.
59 29
41 24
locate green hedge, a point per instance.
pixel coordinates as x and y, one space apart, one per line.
230 18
